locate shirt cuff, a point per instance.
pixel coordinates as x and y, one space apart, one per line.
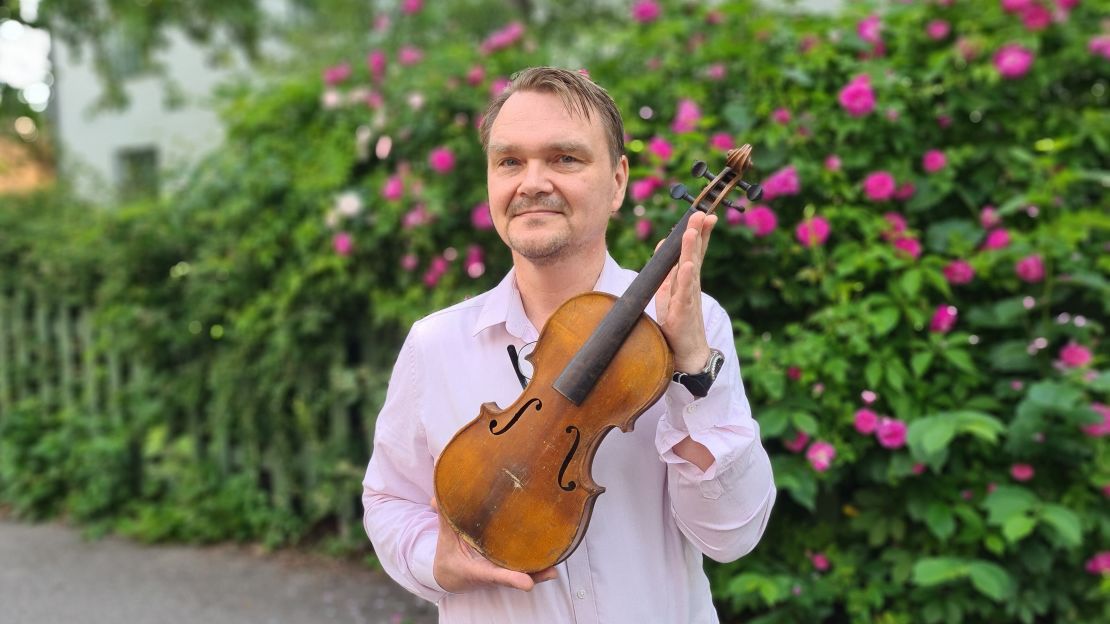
423 560
701 420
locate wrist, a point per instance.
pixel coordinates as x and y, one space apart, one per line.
693 363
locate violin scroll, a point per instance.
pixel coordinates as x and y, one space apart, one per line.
714 194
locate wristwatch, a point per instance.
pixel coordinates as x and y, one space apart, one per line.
699 383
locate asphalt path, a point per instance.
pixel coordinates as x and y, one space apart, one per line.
49 574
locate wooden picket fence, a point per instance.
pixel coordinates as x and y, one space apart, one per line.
57 354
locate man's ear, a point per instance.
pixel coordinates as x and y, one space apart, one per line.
620 179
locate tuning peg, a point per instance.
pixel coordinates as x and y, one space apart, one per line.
754 191
701 170
678 191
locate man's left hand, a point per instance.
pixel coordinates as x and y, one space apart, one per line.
678 300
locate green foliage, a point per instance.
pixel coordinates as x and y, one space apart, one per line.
268 340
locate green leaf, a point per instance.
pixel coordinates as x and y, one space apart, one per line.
1064 522
1017 527
883 320
873 372
927 436
936 570
960 358
773 421
1007 501
1055 395
940 520
991 580
1011 356
920 363
911 282
806 422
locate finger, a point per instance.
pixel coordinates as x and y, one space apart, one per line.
510 578
706 232
549 574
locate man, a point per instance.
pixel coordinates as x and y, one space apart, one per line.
691 479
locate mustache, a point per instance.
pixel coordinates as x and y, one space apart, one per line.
531 204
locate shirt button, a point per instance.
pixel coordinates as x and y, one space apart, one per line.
581 594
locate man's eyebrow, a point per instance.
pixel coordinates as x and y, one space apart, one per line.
567 147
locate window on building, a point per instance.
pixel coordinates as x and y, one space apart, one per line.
137 172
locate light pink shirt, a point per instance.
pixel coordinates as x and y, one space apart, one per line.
641 559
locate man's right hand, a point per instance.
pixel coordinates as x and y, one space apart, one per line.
459 568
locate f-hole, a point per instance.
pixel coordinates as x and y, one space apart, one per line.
569 487
516 417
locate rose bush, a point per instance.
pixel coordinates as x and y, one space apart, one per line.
919 297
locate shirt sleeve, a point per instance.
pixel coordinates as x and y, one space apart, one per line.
397 490
724 510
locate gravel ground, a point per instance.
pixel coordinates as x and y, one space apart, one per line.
50 575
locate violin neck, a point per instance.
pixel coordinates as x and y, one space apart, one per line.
585 368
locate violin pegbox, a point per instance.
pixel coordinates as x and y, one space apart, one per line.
720 184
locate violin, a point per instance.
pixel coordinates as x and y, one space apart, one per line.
516 483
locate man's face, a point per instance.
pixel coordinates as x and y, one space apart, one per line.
552 183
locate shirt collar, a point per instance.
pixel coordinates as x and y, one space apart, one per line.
503 305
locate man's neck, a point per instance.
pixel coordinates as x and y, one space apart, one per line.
545 287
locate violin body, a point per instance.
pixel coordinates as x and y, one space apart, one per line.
516 483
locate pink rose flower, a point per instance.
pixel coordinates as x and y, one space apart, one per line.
793 373
897 225
812 231
1015 6
878 186
761 220
1035 17
988 217
686 117
643 229
1030 269
660 148
821 455
1013 61
1099 45
866 421
476 75
375 61
722 141
933 161
958 272
797 443
342 243
503 38
642 189
997 239
435 271
904 191
781 183
943 319
820 561
832 162
474 264
937 29
1075 355
1099 429
442 160
868 396
1021 472
409 262
781 116
481 218
856 97
393 189
716 71
891 433
416 217
909 246
868 29
337 74
412 7
409 55
646 11
1099 564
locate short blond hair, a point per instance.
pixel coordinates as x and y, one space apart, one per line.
580 95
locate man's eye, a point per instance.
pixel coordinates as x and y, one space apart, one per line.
567 159
508 162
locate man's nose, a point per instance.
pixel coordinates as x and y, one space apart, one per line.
537 180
